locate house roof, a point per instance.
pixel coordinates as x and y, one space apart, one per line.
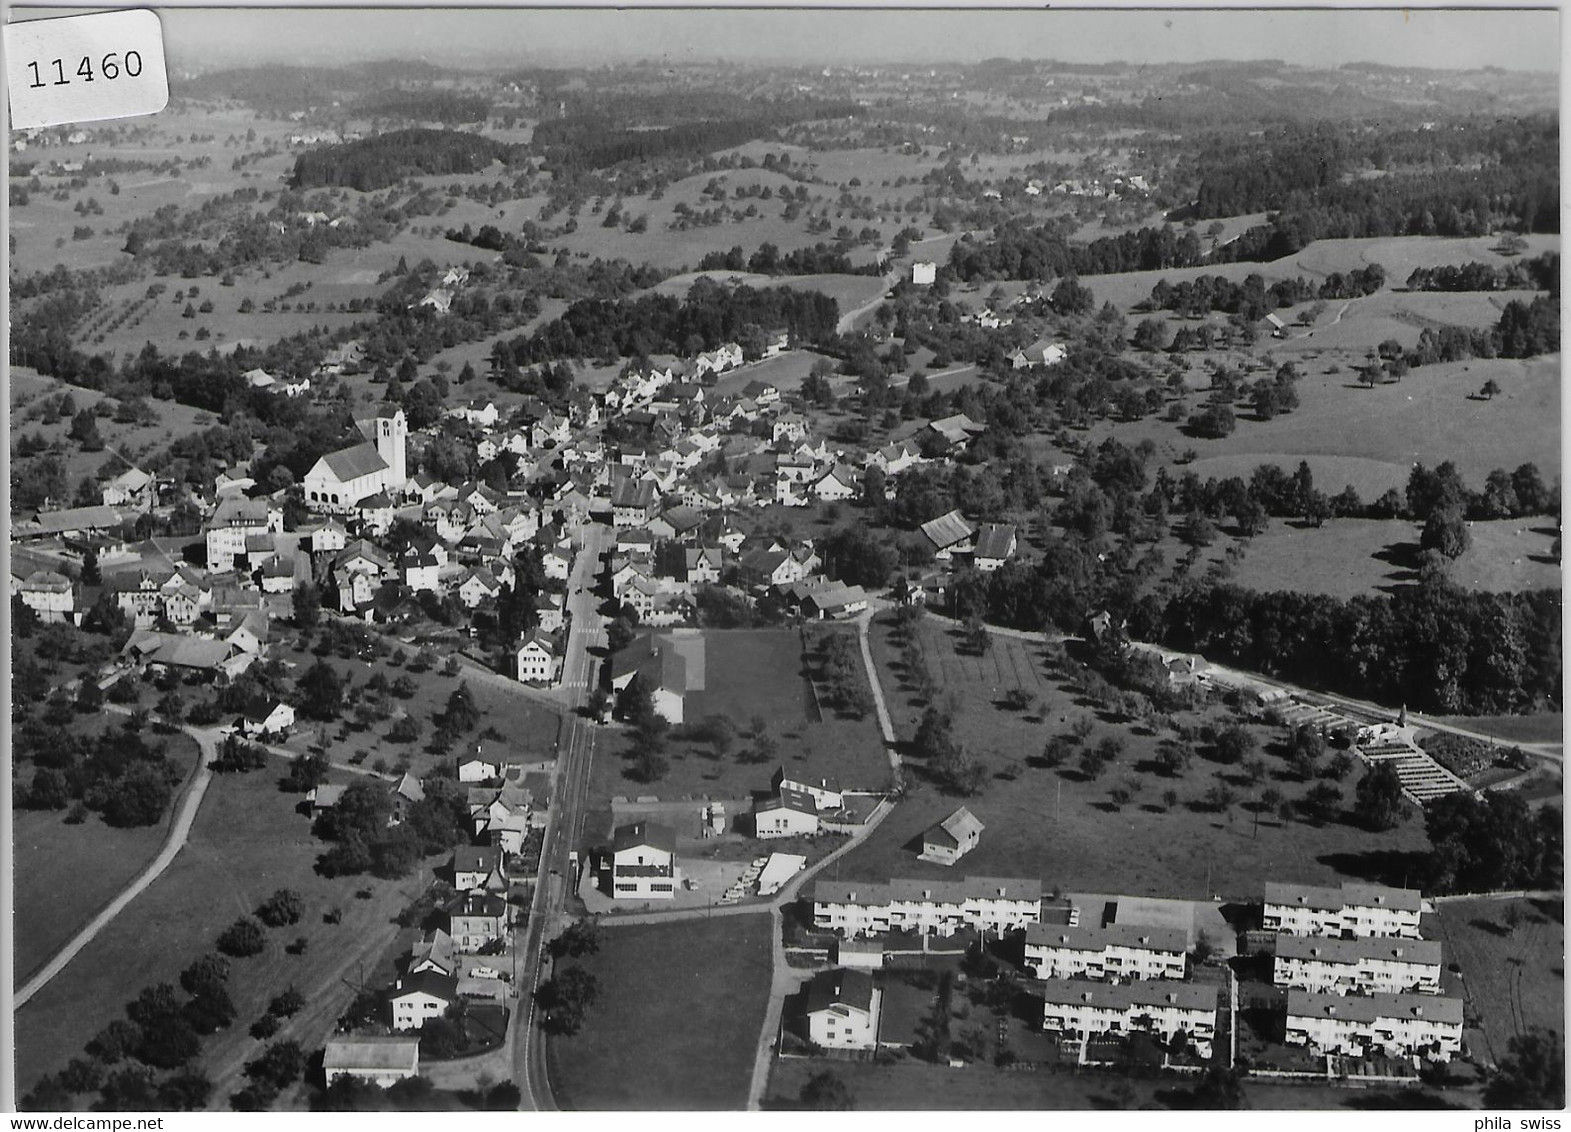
478 904
840 987
957 827
935 891
1379 896
433 983
789 799
40 581
75 519
1422 951
1116 996
948 529
1303 896
409 787
476 858
237 511
371 1053
995 540
1088 938
649 833
180 651
1368 1008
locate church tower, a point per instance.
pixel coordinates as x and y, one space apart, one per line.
391 434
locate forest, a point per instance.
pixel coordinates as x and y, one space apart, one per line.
1541 273
376 162
1017 251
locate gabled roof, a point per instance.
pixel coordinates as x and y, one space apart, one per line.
957 827
789 799
433 983
371 1053
862 892
649 833
995 540
237 511
1422 951
1141 992
1086 938
840 987
476 858
948 529
352 463
1368 1008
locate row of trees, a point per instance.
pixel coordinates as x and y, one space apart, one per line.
1541 273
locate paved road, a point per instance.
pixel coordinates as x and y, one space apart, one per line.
179 830
568 793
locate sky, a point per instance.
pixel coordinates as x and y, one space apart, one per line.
1515 39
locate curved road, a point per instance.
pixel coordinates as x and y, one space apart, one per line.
174 841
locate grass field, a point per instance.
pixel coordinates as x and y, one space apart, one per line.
1514 977
247 841
1070 832
62 874
1348 557
1545 727
754 674
677 1020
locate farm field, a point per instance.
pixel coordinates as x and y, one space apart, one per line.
1514 976
62 874
1350 557
701 986
754 674
1056 825
247 841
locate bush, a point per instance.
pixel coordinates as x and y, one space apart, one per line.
285 906
264 1027
287 1004
242 938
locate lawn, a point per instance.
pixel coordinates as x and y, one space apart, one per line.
1071 832
909 1084
752 676
62 873
1351 557
677 1022
247 841
1514 977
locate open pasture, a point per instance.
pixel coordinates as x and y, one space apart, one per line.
1512 956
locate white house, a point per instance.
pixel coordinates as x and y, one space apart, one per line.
789 813
132 488
1370 965
50 595
232 523
1397 1025
539 659
1076 1008
380 1061
924 274
995 545
419 998
478 766
929 907
1117 951
474 866
643 862
478 586
270 720
1352 911
952 838
842 1009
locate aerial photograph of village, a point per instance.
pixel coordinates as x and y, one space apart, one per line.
792 560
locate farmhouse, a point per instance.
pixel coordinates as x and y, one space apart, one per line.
925 906
270 719
1357 966
995 545
380 1061
1394 1024
1117 952
132 488
952 838
50 595
835 600
842 1009
668 665
1079 1009
643 862
956 431
789 813
1352 911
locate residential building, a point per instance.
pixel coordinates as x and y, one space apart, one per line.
931 907
416 999
995 545
1349 912
50 595
1369 965
842 1009
268 720
1116 952
476 865
476 920
235 519
643 862
380 1061
952 838
132 488
949 535
1079 1009
539 658
1397 1025
825 792
790 813
924 274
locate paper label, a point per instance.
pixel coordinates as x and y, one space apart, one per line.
85 68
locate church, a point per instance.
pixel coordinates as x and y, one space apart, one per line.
340 480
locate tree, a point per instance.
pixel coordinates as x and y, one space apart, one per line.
462 714
186 1091
307 605
1446 531
286 1004
306 773
581 937
322 691
1233 743
242 938
1531 1076
566 998
285 906
1378 801
279 1066
824 1091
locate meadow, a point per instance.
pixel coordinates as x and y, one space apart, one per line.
1512 959
677 1019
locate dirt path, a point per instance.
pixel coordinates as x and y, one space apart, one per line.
174 841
